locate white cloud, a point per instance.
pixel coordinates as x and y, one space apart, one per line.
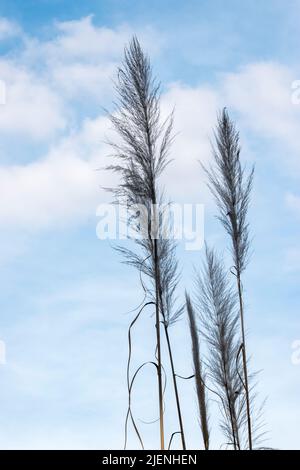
81 39
262 94
31 107
77 64
8 29
195 115
82 58
62 188
46 193
84 81
45 79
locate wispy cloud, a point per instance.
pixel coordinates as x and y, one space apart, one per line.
8 29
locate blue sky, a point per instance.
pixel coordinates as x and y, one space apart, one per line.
64 294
